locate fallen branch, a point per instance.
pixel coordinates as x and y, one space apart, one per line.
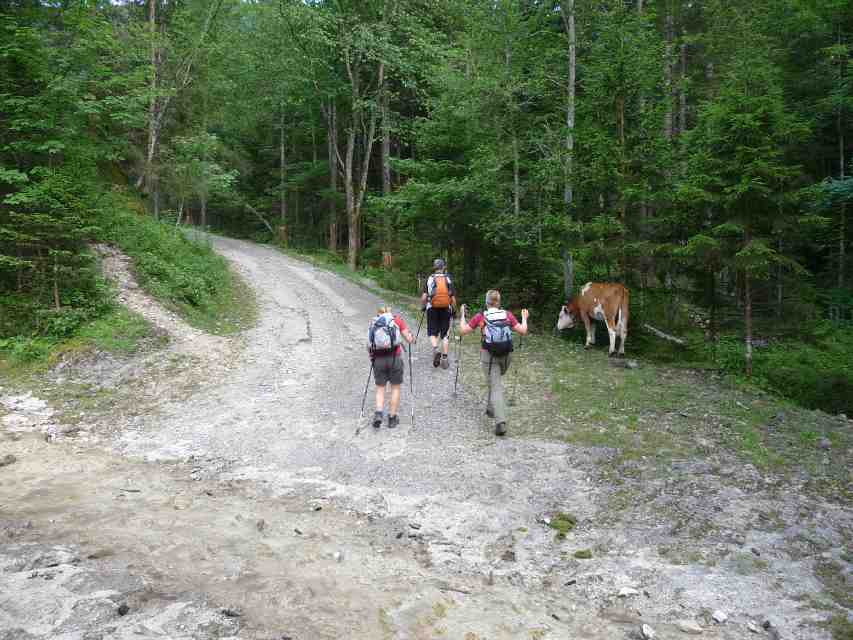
665 336
251 209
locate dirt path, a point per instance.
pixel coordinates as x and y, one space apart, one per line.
252 495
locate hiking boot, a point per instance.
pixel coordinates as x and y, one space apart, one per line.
445 361
393 421
500 428
436 359
377 419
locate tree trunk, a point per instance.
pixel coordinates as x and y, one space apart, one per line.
282 170
148 170
667 76
56 283
569 20
203 212
332 136
516 178
682 90
747 316
180 212
386 165
353 240
842 227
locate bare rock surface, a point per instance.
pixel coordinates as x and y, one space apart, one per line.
196 492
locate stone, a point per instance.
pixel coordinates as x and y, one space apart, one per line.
123 610
583 554
648 632
719 616
8 459
620 614
338 556
508 556
261 524
824 443
752 627
624 592
688 626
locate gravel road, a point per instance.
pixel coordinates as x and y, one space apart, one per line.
256 493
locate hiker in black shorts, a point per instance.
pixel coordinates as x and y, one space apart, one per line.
439 299
385 338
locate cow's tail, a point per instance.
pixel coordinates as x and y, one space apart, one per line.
623 309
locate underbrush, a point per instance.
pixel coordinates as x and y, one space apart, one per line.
118 330
187 275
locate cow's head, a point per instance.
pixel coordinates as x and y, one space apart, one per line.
568 316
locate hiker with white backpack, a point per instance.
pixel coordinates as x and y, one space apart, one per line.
385 337
496 326
438 300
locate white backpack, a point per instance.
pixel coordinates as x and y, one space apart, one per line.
383 336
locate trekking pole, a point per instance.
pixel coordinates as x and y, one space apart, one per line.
420 322
515 377
412 384
458 363
364 399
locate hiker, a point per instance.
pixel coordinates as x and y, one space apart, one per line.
385 338
438 300
496 326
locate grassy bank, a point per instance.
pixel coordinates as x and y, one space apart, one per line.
184 274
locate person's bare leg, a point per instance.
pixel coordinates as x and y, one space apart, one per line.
380 398
394 401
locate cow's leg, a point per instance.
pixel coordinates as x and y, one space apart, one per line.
590 331
611 331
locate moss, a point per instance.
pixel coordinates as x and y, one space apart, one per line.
562 523
583 554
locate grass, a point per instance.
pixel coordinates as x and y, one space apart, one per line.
182 272
120 331
655 413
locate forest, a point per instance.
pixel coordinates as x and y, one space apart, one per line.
697 151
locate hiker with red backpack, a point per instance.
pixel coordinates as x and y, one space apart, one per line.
438 300
385 337
496 326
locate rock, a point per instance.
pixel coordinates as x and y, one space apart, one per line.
648 632
508 556
624 592
414 525
230 613
719 616
123 610
755 551
620 614
752 627
688 626
261 524
8 459
297 531
766 625
583 554
824 443
338 556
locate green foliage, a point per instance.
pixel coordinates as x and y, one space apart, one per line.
185 274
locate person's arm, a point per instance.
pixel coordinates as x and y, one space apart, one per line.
464 329
404 329
521 327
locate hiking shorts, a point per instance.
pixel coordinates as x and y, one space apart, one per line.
388 369
438 322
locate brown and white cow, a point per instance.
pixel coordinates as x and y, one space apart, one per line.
600 301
